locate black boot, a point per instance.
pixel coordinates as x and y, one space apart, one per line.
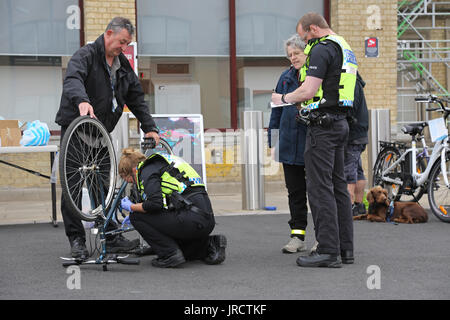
121 244
169 261
320 260
347 256
78 248
216 249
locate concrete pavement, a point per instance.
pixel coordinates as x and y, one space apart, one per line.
33 205
391 261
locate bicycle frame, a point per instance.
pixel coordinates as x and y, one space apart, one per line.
107 221
439 150
103 223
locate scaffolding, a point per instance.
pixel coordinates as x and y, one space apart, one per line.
423 59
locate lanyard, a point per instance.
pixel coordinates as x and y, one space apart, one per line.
112 80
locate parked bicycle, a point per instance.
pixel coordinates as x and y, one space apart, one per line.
88 174
407 173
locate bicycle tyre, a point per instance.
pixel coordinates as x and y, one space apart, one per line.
438 193
87 161
385 158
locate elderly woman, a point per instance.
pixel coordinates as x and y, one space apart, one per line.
287 138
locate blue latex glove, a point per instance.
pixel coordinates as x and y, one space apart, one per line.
126 203
126 222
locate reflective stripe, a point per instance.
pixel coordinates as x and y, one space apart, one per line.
298 231
311 106
346 103
196 180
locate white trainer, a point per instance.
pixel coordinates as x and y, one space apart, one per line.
294 245
314 248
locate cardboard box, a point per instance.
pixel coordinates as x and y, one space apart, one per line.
10 134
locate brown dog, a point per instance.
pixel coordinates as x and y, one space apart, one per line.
404 212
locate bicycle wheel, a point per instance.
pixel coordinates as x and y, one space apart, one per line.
438 192
87 168
385 159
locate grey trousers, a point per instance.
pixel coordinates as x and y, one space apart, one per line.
328 196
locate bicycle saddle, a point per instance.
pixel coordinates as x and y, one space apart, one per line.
414 128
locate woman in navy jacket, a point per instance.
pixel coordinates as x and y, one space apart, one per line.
287 139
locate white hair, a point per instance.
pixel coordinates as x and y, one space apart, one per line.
294 41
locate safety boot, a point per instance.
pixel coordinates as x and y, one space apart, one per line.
169 261
121 244
78 248
216 249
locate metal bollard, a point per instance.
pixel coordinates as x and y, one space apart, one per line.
379 130
252 160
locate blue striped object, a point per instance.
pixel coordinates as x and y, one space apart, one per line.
36 134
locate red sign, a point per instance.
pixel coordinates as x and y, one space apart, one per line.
372 42
371 47
131 54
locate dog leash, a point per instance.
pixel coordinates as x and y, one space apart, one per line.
390 212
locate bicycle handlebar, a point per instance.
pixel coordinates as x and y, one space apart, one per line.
148 143
434 99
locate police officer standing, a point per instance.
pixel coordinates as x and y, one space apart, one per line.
327 93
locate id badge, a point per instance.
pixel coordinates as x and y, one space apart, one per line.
115 104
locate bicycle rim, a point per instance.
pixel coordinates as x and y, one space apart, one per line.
87 168
438 192
384 160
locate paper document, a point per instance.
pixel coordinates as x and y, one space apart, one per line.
272 105
438 130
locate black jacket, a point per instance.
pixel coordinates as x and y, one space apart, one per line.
291 134
358 129
87 80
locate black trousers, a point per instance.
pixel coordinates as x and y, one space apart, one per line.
72 224
328 197
295 179
183 229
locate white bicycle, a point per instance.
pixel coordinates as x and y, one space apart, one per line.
405 172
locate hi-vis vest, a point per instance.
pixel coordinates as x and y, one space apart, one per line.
347 79
176 177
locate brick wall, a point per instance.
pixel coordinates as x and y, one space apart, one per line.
12 177
357 19
98 13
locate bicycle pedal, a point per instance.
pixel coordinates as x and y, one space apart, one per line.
71 261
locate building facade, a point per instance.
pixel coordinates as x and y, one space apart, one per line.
214 57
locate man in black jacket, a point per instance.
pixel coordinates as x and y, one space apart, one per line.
357 141
99 81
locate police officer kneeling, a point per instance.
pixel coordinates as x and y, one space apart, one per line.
174 213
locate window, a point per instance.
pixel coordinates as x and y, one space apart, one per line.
36 37
192 33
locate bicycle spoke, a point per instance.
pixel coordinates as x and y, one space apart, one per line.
88 163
